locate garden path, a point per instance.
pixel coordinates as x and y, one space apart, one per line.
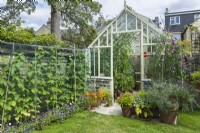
115 109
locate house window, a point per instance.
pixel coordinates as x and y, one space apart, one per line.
175 20
196 16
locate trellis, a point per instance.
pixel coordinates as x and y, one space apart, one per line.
11 50
195 64
144 37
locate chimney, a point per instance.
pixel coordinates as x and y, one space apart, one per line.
49 23
156 19
167 10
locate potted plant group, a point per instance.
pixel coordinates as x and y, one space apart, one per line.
195 76
143 105
126 101
169 97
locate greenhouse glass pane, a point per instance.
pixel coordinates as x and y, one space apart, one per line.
103 39
145 48
96 62
121 22
137 50
155 36
114 26
138 23
105 64
149 49
144 39
131 21
96 43
92 61
109 37
144 28
150 34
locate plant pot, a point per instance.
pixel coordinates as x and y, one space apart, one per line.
156 113
198 86
133 111
168 117
127 111
89 107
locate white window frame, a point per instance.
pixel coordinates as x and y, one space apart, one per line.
196 17
175 18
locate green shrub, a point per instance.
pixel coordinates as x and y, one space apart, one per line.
195 77
126 99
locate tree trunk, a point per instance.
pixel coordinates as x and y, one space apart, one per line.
55 21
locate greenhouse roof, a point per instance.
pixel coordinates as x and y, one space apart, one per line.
128 21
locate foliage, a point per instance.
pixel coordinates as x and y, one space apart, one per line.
195 77
40 83
12 33
126 99
76 16
10 13
123 63
142 104
169 96
107 97
166 59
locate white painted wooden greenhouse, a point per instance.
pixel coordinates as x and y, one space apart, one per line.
143 33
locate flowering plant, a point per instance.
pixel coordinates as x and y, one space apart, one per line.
91 99
105 96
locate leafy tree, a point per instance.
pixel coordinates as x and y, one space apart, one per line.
73 14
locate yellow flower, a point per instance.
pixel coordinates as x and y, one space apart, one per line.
101 94
87 94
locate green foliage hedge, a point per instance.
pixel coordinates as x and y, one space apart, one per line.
16 34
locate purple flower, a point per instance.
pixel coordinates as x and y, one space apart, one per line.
181 56
181 64
186 58
173 41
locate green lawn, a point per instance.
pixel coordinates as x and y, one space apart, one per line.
87 122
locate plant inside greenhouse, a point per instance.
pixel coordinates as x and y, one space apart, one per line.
82 67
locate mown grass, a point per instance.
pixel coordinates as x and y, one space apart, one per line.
88 122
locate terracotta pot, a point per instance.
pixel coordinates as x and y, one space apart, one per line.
89 107
127 111
198 86
155 112
168 117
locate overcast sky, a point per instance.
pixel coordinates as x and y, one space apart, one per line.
111 8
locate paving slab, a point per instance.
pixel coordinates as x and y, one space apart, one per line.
115 109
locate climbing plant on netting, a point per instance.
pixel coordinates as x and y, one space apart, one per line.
35 79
